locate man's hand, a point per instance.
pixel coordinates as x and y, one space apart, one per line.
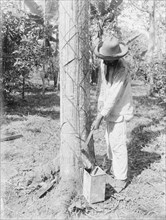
100 105
97 122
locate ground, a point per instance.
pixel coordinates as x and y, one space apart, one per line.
27 163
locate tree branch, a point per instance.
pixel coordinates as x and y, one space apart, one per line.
133 38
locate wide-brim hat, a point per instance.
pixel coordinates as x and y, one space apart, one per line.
111 49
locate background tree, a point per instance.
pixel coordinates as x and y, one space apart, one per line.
1 88
21 49
104 17
137 17
150 9
46 11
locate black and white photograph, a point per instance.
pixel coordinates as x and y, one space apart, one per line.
83 109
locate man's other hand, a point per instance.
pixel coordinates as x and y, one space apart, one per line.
100 105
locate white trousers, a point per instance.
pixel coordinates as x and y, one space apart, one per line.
117 149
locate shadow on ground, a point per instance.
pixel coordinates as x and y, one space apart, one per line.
139 159
35 104
149 127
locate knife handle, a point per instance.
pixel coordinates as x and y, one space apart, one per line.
89 137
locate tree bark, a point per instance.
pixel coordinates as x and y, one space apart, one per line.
68 68
74 95
74 77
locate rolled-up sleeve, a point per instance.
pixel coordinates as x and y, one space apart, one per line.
115 92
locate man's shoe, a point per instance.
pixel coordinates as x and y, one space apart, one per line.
110 180
120 185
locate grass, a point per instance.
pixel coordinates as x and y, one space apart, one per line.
23 159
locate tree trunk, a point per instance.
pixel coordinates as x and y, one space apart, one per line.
23 87
1 74
151 47
74 80
74 92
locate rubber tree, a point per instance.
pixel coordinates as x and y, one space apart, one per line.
74 83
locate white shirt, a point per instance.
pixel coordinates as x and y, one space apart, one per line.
116 93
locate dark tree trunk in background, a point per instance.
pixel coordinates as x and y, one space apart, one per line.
1 73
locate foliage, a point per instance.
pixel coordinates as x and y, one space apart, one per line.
103 17
11 36
159 69
34 7
137 17
135 57
21 49
21 33
140 69
46 9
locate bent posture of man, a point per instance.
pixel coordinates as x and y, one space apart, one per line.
115 106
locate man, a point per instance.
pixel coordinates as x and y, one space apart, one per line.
115 106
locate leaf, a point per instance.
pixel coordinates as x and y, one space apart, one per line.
16 51
93 10
38 19
34 7
102 7
51 9
114 4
